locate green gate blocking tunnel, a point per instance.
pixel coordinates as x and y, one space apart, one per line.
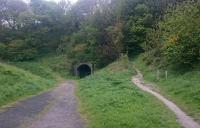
83 69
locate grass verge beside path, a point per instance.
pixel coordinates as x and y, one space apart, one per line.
182 88
49 66
110 100
16 83
29 78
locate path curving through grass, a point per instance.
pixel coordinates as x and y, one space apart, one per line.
185 120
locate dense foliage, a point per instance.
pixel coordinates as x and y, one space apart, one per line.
101 30
28 30
176 40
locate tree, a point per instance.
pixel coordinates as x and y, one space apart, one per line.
10 11
176 39
180 33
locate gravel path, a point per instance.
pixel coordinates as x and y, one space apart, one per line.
185 120
55 109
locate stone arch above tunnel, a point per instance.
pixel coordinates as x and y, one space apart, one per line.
83 69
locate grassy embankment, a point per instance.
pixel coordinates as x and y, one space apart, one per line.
16 83
110 100
22 79
181 87
48 66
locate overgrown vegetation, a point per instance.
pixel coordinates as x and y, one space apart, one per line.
176 40
109 99
181 87
99 31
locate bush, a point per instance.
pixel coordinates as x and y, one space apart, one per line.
2 50
176 41
17 50
181 34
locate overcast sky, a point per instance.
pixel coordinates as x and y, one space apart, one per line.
73 1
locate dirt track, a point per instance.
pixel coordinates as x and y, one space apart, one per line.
185 120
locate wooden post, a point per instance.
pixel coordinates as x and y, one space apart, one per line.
92 68
158 74
166 74
75 70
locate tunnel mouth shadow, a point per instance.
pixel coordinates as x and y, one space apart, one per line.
84 70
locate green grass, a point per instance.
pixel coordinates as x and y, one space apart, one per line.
16 83
108 99
59 64
28 78
181 87
48 66
36 68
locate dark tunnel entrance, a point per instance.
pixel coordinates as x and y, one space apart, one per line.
84 70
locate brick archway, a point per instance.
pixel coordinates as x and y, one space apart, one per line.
83 69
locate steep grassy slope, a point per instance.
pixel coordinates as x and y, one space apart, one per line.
28 78
181 87
110 100
48 66
16 83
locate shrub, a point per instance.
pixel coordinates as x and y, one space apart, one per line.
176 41
17 50
181 34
